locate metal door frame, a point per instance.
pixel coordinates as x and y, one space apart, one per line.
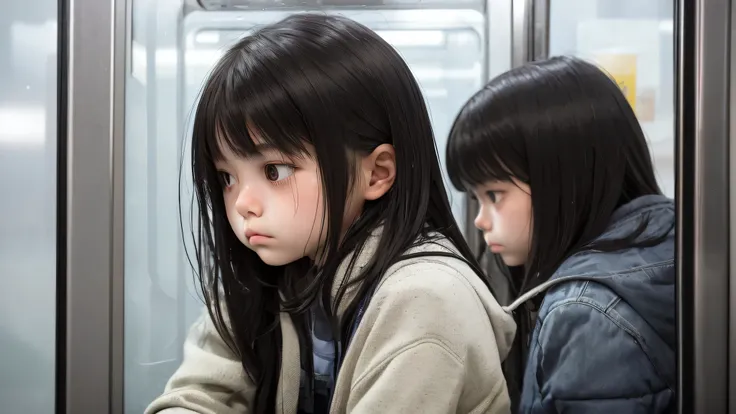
732 225
530 31
94 43
702 173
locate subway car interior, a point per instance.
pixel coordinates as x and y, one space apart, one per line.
96 109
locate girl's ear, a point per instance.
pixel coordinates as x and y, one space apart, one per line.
379 171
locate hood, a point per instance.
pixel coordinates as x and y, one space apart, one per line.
504 326
651 293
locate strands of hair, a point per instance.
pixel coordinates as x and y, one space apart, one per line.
563 127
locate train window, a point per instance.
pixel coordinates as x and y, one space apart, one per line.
634 42
28 206
445 44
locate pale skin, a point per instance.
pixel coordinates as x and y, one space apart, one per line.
275 204
505 217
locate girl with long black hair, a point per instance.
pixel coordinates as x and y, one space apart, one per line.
568 195
335 276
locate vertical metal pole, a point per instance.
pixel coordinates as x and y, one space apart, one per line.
540 34
94 288
521 32
702 129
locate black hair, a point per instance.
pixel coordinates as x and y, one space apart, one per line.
563 127
336 85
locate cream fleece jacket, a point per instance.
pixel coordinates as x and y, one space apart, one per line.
431 340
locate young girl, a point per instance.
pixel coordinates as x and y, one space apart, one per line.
566 187
335 276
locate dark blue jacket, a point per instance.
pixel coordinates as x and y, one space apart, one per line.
604 340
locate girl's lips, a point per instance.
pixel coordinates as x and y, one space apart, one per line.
255 237
495 248
258 239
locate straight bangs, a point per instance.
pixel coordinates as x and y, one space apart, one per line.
245 107
481 149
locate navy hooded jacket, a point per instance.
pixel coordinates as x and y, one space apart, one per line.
604 339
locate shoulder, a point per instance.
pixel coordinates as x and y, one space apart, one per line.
433 265
602 280
585 318
417 303
439 275
442 297
433 281
581 353
581 316
430 267
429 319
582 304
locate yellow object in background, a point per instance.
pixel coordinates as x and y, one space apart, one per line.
622 68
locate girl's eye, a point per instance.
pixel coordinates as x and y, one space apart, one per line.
226 179
492 196
278 172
